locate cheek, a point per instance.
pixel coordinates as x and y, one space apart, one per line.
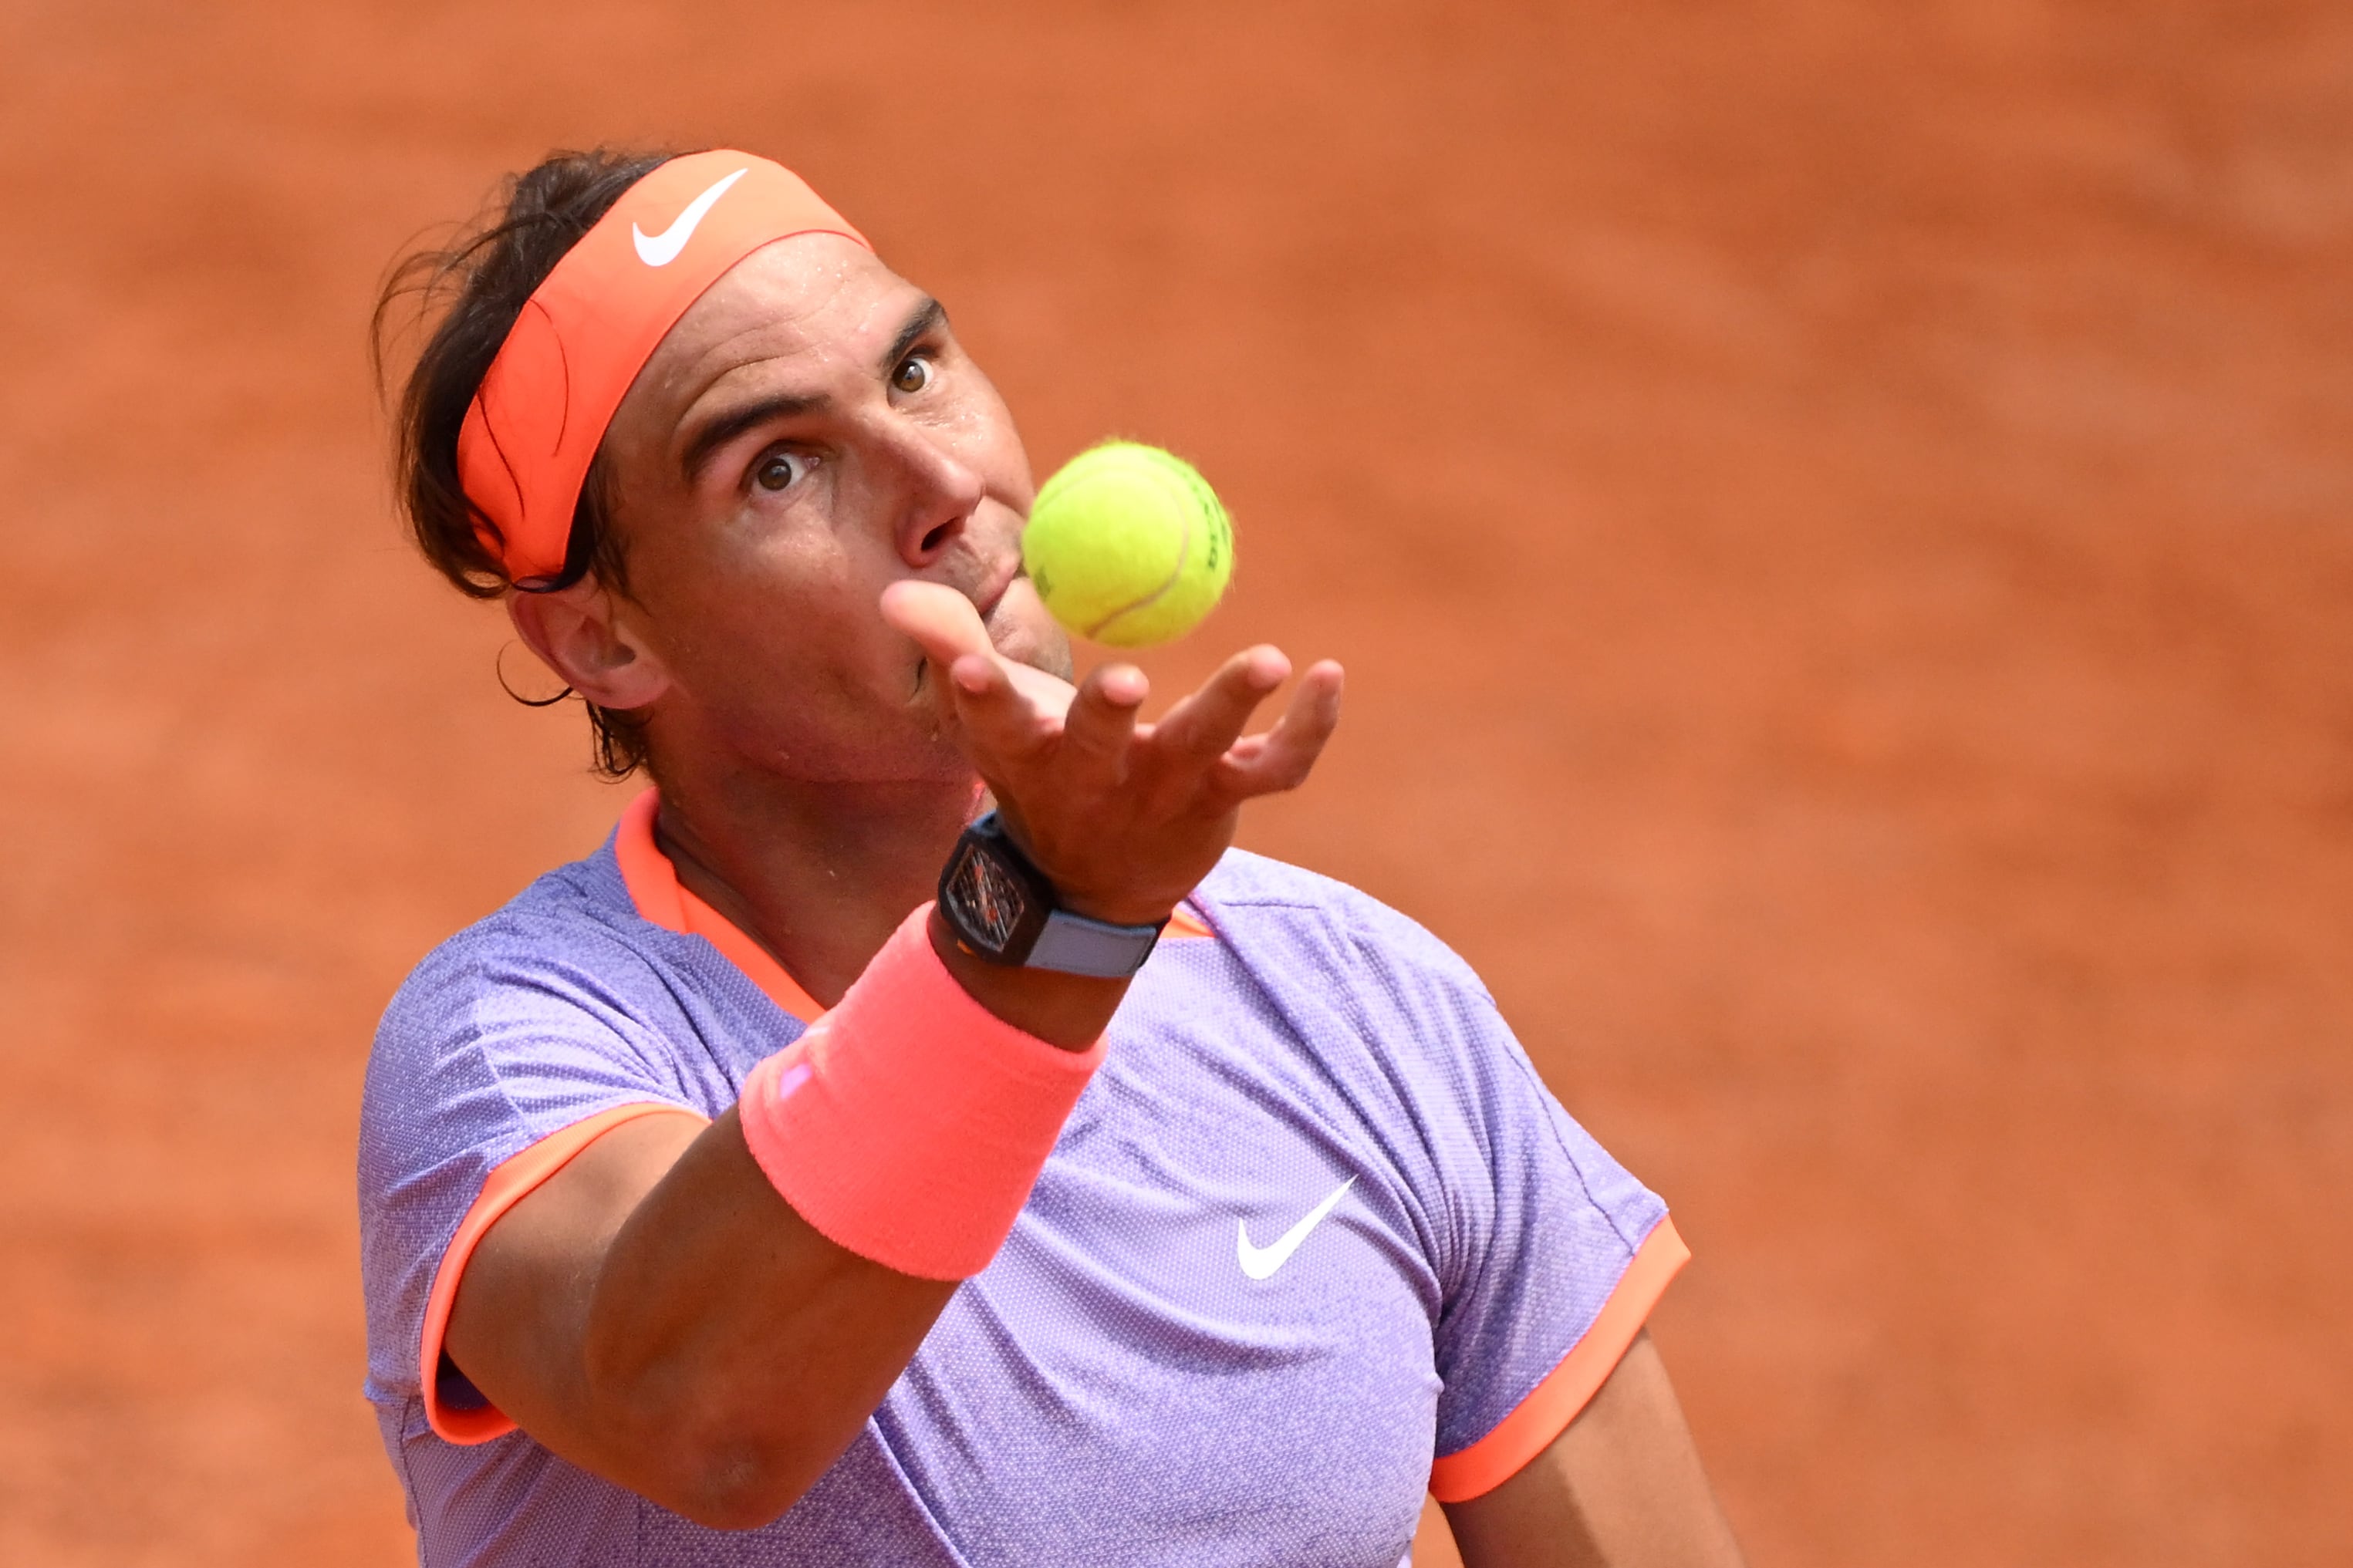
782 615
783 655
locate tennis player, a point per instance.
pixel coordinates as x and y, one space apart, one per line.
916 1138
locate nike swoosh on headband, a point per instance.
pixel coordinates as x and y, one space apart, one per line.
1261 1262
661 249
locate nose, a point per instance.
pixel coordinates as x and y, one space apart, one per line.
941 493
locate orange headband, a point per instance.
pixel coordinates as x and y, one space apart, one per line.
534 426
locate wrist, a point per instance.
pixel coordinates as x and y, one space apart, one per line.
1069 1011
1004 911
908 1124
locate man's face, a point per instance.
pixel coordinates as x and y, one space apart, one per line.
808 433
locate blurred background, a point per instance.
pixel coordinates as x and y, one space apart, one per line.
1836 515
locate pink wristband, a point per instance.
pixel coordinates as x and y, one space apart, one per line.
910 1122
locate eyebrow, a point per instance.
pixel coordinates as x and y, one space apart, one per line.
925 318
723 427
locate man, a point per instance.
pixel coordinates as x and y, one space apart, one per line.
1142 1202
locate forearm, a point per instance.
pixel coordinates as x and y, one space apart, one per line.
729 1352
1067 1010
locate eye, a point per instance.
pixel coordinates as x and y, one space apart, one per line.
777 470
913 374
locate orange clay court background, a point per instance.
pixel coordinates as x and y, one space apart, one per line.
1836 517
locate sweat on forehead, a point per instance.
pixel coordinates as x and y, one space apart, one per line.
744 354
535 424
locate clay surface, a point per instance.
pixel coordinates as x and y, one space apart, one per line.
1836 516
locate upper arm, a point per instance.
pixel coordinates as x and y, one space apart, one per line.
522 1292
1621 1487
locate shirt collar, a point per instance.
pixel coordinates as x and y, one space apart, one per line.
663 900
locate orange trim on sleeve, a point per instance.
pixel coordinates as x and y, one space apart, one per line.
508 1183
1549 1409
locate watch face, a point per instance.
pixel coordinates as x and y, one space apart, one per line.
988 898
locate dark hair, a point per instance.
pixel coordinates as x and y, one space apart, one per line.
479 283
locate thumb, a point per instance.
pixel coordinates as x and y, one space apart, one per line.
941 621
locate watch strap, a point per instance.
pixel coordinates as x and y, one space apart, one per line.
1074 944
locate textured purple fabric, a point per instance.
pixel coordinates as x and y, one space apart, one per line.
1114 1389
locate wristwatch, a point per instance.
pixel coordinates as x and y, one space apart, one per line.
1004 911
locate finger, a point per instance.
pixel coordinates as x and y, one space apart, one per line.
941 621
1000 724
1283 757
946 626
1203 725
1047 692
1101 725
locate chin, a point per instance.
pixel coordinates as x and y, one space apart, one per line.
875 760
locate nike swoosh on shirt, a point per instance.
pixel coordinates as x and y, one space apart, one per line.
661 249
1261 1262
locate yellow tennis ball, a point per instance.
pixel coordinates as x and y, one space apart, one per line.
1128 545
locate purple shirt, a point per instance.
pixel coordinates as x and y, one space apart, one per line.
1315 1222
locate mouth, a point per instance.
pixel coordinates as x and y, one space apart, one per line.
991 594
1003 617
1023 632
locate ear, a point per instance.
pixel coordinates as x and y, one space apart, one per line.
578 634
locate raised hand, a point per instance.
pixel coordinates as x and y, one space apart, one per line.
1125 816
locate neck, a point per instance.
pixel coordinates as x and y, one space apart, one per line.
818 874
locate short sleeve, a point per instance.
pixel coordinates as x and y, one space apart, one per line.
507 1051
1552 1286
1549 1255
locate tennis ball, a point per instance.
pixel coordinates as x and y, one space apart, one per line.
1128 545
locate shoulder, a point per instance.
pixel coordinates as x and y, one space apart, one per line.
563 938
563 998
1287 913
1384 1003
